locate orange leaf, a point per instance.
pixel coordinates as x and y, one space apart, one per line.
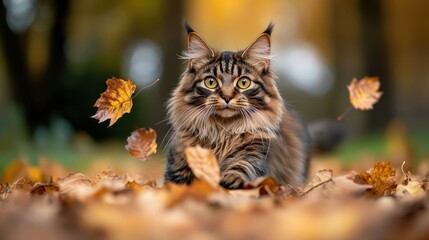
364 93
381 177
203 164
142 143
115 101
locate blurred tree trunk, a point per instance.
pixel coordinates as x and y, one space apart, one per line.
174 33
347 57
376 62
40 96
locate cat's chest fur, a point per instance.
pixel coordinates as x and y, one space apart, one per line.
225 141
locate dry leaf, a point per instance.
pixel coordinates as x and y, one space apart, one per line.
203 164
115 101
364 93
76 186
265 186
381 177
106 175
21 169
42 188
321 177
409 187
142 143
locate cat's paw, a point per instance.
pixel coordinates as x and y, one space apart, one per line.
180 177
233 181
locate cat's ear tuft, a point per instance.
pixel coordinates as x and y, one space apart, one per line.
188 27
269 29
197 46
259 52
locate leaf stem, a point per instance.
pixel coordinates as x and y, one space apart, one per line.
135 95
341 117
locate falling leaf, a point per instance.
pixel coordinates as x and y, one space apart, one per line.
115 101
364 93
321 177
203 164
142 143
381 177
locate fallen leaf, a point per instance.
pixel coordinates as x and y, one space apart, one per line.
265 186
321 177
142 143
115 101
364 93
76 186
203 164
21 169
106 175
381 177
344 186
409 187
42 188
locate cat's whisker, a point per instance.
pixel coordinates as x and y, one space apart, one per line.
186 112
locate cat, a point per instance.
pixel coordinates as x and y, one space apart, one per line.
229 102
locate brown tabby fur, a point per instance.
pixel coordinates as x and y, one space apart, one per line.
251 131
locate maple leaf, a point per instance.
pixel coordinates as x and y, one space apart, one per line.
142 143
203 164
115 101
381 177
364 93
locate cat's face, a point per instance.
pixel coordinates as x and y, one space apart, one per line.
231 90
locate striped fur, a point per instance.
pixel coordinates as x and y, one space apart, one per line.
250 131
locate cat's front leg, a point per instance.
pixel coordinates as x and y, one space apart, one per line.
244 166
177 170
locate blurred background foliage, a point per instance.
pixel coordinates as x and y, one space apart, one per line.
56 55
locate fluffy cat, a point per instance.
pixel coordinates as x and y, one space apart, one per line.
229 102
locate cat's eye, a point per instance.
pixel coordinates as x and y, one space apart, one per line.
243 83
210 82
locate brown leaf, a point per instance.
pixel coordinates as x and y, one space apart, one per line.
42 188
115 101
142 143
364 93
199 190
265 186
381 177
321 177
76 186
203 164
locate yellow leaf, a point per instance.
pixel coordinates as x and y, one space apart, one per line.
203 164
381 177
364 93
115 101
142 143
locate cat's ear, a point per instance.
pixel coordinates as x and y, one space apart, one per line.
259 51
197 46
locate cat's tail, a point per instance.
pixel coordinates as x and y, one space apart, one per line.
326 135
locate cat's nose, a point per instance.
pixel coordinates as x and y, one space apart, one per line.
227 98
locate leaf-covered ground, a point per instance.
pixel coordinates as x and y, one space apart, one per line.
47 202
381 203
